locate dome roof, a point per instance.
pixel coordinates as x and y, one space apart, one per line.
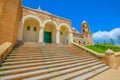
84 22
73 28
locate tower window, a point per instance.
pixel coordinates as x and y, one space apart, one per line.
83 30
34 29
61 33
28 28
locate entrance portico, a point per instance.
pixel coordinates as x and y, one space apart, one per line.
44 29
49 32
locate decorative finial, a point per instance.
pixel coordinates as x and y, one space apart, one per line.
39 8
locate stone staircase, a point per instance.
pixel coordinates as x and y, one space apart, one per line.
34 62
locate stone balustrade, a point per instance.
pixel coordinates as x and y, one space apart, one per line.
4 50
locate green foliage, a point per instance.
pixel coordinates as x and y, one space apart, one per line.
101 48
95 49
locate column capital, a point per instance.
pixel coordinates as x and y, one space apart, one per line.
42 27
70 32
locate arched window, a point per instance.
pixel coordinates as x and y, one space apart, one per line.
28 28
60 33
83 30
34 29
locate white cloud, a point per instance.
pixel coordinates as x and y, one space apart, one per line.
106 35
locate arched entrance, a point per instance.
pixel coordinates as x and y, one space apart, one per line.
64 35
31 30
50 33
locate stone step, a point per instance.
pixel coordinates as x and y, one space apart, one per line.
27 51
91 74
42 66
37 58
23 70
24 54
35 55
27 57
58 73
50 62
44 60
68 76
60 54
21 59
50 71
64 56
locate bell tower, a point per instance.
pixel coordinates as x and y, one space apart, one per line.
87 35
85 27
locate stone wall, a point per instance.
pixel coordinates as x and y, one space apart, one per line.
113 59
110 57
10 16
43 16
117 56
4 51
1 5
89 52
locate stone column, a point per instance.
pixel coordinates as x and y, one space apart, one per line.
20 34
20 31
41 35
70 37
110 58
58 36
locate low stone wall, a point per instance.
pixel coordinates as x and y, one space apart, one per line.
91 52
4 50
110 58
117 57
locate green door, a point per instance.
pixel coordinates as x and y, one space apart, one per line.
47 37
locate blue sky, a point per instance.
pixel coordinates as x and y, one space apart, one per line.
102 15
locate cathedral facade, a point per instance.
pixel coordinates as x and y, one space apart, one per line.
40 26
